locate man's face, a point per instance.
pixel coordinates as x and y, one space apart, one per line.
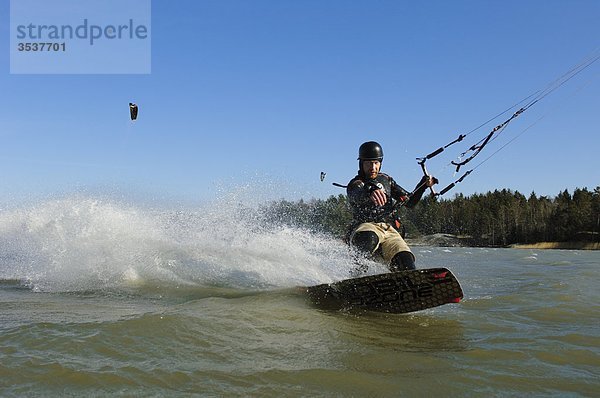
371 168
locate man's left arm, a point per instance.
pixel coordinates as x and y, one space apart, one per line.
426 182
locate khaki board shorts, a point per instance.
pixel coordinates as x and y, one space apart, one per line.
390 240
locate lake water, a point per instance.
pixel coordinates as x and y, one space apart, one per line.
99 298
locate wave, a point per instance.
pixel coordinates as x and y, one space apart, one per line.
82 243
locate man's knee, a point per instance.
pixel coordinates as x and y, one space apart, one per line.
365 241
402 261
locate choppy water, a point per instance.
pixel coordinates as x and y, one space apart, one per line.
99 298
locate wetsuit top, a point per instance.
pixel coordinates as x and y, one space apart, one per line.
364 210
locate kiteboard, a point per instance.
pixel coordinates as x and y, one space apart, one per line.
395 292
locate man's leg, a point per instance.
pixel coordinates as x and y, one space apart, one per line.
402 261
365 239
396 252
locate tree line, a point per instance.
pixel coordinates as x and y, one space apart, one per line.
497 218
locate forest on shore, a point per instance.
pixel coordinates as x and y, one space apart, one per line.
499 218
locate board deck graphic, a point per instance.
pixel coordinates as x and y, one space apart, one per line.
396 292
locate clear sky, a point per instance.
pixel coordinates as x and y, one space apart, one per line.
269 93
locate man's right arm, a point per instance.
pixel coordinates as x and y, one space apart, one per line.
358 194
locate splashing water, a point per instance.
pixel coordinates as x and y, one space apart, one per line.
85 243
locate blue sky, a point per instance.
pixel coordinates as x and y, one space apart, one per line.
268 94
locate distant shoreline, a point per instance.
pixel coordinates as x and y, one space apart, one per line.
448 240
558 245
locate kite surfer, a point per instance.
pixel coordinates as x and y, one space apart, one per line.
374 199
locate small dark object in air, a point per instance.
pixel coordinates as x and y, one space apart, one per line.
133 110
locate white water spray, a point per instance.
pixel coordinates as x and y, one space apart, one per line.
85 243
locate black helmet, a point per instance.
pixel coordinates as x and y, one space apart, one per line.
370 150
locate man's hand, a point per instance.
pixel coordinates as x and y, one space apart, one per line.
430 181
379 197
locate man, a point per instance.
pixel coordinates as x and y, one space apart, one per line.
373 197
